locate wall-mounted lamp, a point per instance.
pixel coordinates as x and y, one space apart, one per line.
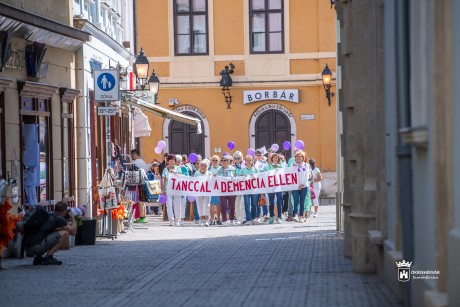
333 4
225 82
327 78
141 70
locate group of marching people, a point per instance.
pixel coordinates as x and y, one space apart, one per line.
242 209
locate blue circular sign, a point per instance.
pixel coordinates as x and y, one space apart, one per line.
106 82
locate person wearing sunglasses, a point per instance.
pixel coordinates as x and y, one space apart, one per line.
301 196
250 200
202 202
215 200
228 171
172 201
239 201
275 163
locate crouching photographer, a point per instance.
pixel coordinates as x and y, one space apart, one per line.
44 232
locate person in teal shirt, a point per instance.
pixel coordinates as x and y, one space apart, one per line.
275 163
228 171
250 200
215 200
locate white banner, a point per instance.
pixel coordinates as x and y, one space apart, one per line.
277 180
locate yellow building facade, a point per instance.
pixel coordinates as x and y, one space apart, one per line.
278 48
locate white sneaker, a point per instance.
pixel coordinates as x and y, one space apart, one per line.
197 222
229 223
315 215
171 223
181 223
206 224
296 218
177 224
202 224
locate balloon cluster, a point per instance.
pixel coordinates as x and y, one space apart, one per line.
161 145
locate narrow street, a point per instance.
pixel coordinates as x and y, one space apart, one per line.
291 264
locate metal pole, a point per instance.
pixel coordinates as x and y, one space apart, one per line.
107 138
108 157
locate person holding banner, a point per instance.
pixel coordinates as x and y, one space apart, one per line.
299 196
239 202
250 200
215 200
227 171
202 202
172 168
275 163
260 163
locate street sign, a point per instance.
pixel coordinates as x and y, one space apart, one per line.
107 111
106 87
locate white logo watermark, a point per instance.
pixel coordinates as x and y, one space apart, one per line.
405 273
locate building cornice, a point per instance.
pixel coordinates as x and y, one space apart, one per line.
97 33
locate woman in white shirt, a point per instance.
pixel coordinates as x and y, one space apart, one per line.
171 168
202 202
299 196
316 184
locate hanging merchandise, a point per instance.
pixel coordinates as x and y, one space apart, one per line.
108 198
107 191
14 165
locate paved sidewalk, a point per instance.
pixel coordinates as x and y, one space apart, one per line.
291 264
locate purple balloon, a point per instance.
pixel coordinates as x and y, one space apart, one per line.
287 145
231 145
275 147
158 150
163 199
161 144
191 198
193 157
251 151
299 144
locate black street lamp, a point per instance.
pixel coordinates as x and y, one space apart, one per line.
327 77
154 85
141 70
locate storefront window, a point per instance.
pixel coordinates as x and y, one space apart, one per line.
43 139
36 153
67 154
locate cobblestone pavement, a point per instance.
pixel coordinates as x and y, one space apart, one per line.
291 264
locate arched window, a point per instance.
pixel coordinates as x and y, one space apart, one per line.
271 127
183 138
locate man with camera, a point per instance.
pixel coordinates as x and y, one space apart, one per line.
50 236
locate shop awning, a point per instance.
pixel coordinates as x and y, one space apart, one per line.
39 29
165 113
141 125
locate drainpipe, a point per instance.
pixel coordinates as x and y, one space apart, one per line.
403 150
134 28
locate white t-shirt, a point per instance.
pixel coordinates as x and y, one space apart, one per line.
141 164
316 184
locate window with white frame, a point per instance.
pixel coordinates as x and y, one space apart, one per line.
266 26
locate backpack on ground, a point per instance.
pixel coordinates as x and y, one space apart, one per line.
35 220
31 223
